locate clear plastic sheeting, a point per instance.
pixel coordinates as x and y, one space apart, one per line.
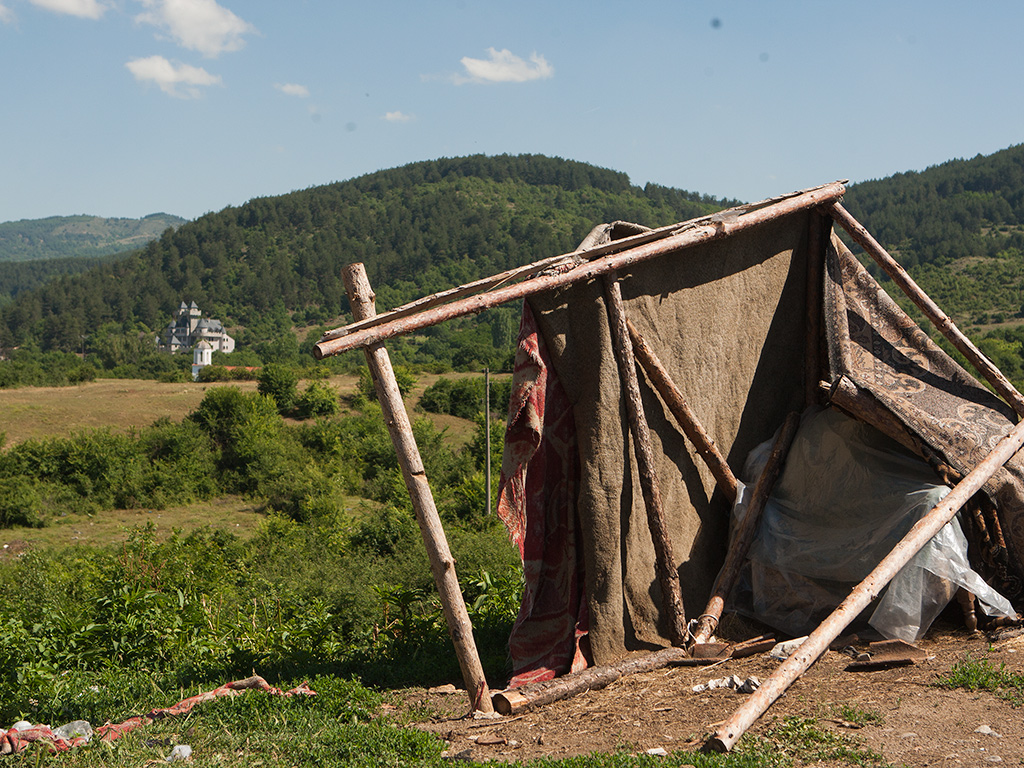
846 497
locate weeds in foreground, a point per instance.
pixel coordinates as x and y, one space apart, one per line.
982 675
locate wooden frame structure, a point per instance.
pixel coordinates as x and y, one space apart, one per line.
370 330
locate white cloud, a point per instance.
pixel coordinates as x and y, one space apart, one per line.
181 80
6 15
293 89
397 117
504 67
199 25
85 9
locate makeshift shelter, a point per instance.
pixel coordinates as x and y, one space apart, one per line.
619 504
729 320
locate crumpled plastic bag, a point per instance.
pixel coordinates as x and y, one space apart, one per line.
845 498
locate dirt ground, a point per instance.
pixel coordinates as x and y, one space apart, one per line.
910 721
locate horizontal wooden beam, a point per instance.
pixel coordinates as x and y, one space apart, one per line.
711 229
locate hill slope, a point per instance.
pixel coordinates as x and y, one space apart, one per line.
58 237
419 228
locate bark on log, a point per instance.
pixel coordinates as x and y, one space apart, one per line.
683 414
744 534
930 309
668 574
684 237
862 595
442 564
517 700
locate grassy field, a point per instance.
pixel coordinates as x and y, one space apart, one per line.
121 404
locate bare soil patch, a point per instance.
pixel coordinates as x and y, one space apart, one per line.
907 718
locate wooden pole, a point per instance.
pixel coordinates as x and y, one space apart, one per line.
817 238
930 309
744 533
862 595
533 695
442 564
668 575
683 414
487 440
685 237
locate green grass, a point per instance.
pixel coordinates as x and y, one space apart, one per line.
344 726
982 675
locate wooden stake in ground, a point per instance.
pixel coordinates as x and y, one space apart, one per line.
683 414
931 310
862 595
442 564
744 533
668 575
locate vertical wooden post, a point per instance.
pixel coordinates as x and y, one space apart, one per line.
487 441
442 564
817 239
668 575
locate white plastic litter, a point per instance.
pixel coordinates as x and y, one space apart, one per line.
180 752
785 649
737 683
73 730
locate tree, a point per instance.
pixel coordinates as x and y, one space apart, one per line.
279 382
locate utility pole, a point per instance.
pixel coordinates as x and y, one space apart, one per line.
487 439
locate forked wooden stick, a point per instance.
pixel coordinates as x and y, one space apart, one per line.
744 534
442 564
668 574
818 641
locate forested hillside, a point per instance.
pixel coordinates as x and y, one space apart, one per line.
275 262
270 269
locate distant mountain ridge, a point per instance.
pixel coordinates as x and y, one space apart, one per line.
59 237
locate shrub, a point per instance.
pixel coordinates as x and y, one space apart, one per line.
279 382
19 503
465 397
318 399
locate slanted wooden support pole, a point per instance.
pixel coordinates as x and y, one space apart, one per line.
668 575
743 536
442 564
683 414
931 310
862 595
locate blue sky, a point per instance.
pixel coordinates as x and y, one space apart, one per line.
130 107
